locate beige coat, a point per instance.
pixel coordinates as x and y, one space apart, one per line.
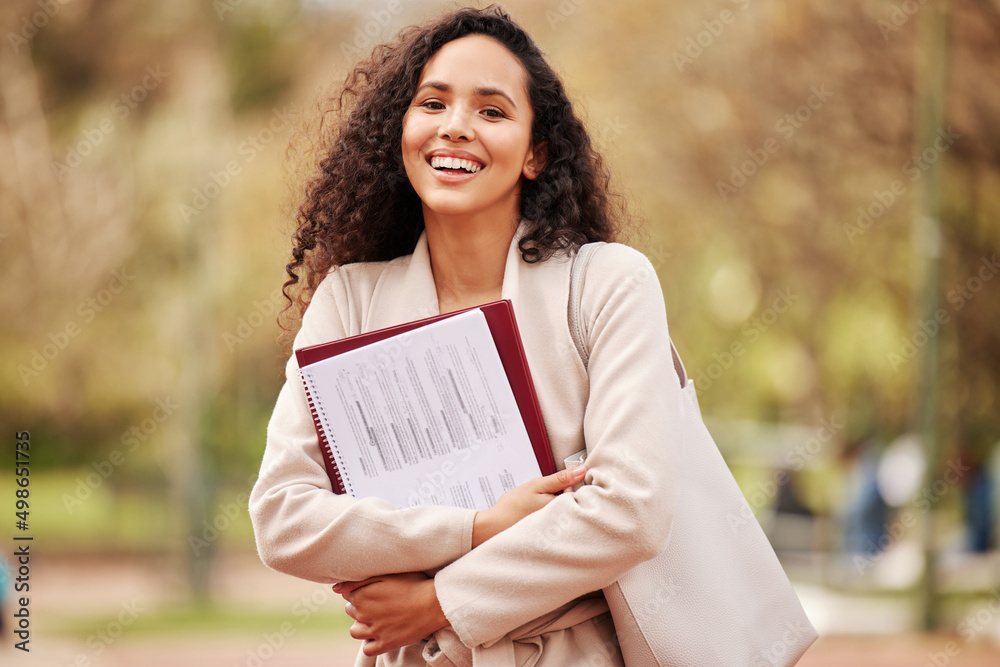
560 556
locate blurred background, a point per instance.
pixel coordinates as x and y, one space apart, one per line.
817 185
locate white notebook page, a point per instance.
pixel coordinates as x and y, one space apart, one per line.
426 417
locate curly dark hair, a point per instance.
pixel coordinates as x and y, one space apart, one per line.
360 207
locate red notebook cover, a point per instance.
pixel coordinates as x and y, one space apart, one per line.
500 319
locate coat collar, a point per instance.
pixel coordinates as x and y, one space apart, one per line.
407 290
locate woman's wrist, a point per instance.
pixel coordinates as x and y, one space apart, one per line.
435 614
482 527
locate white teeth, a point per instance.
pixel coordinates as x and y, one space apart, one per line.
438 162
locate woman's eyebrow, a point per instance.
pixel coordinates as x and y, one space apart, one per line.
481 91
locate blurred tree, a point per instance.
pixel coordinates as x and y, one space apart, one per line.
770 149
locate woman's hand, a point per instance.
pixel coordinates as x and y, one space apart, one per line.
521 501
392 611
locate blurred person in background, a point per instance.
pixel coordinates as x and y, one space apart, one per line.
977 451
867 512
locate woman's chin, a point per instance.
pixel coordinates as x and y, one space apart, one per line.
453 206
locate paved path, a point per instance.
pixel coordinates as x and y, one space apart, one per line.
73 592
230 650
225 650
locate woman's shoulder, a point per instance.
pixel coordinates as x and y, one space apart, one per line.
342 299
348 285
617 261
358 277
619 278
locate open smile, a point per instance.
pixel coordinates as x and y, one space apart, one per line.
454 170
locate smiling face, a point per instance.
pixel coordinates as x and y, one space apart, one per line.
467 133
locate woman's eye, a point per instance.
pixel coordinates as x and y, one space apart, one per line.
494 113
432 104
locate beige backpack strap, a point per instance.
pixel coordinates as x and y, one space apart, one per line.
578 276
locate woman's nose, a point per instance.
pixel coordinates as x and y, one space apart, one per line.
455 125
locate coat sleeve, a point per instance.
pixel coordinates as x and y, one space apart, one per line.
585 540
304 529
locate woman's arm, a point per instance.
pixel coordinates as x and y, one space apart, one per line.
584 541
392 611
519 502
304 529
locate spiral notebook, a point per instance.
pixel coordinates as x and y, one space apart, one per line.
437 411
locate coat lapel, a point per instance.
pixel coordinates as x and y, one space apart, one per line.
406 290
512 270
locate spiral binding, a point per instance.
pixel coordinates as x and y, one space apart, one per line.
326 447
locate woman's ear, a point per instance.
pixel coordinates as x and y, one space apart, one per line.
534 162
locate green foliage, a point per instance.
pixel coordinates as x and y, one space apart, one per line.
743 201
206 620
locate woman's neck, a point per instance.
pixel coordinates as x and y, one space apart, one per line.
468 257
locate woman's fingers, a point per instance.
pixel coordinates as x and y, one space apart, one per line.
394 610
521 501
560 480
360 631
346 588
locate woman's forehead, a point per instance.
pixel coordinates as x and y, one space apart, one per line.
475 61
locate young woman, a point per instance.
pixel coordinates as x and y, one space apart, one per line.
461 176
